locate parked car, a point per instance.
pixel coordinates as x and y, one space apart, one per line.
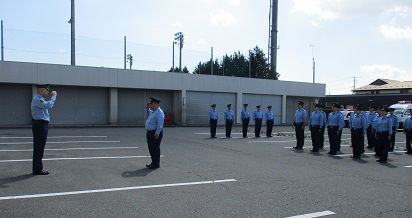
346 116
401 111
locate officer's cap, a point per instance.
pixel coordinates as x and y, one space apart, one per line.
229 105
213 105
391 109
270 106
300 103
372 106
245 105
359 107
46 86
384 108
258 106
154 100
317 105
337 105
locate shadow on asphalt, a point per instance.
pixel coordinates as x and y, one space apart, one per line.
14 179
137 173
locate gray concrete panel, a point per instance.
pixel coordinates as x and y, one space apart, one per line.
15 109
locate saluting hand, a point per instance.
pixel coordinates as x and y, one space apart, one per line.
54 93
147 104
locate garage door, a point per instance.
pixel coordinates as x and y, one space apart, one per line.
131 106
198 106
17 109
264 101
292 106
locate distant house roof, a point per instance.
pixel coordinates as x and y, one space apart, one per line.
385 84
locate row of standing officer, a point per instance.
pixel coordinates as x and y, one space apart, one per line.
229 118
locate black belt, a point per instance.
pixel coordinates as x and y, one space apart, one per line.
408 130
333 126
314 125
357 129
258 118
382 132
41 121
151 131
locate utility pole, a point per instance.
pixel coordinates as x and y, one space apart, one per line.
73 29
2 42
179 37
211 61
130 60
173 56
313 64
273 35
125 58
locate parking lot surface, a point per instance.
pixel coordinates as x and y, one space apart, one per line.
100 172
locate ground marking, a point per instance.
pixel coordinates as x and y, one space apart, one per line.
114 189
317 214
391 152
66 142
75 158
50 137
409 166
324 147
69 149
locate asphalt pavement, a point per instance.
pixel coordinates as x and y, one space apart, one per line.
100 172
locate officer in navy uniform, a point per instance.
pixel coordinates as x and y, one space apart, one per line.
335 125
384 132
299 123
245 116
315 125
213 117
270 119
229 117
154 131
407 130
257 118
40 125
358 125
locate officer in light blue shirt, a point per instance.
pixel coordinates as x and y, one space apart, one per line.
407 130
335 125
245 116
384 132
395 126
229 117
270 119
369 131
315 125
358 124
154 128
299 122
257 118
40 126
322 132
213 117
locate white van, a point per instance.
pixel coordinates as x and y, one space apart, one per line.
401 111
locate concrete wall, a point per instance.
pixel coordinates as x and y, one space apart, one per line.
176 83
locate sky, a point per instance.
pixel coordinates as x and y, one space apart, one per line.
353 42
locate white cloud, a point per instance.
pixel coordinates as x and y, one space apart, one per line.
391 32
222 18
234 2
382 71
402 11
177 24
201 41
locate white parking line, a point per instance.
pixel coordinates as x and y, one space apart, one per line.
324 147
345 155
66 142
317 214
114 189
409 166
69 149
75 158
50 137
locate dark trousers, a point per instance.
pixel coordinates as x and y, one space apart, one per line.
315 135
258 126
229 124
40 130
245 124
322 137
300 137
377 145
371 137
339 139
154 146
408 134
392 142
269 127
357 142
213 124
333 138
383 144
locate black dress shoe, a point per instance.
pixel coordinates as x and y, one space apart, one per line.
314 150
330 152
153 167
297 148
149 165
369 147
381 161
354 157
41 172
375 155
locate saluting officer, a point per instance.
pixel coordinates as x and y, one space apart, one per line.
257 118
358 126
384 132
154 134
299 122
40 126
213 117
407 130
395 126
229 116
370 135
245 116
335 125
270 119
315 125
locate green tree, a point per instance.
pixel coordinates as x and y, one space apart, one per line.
177 70
235 65
259 65
205 68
